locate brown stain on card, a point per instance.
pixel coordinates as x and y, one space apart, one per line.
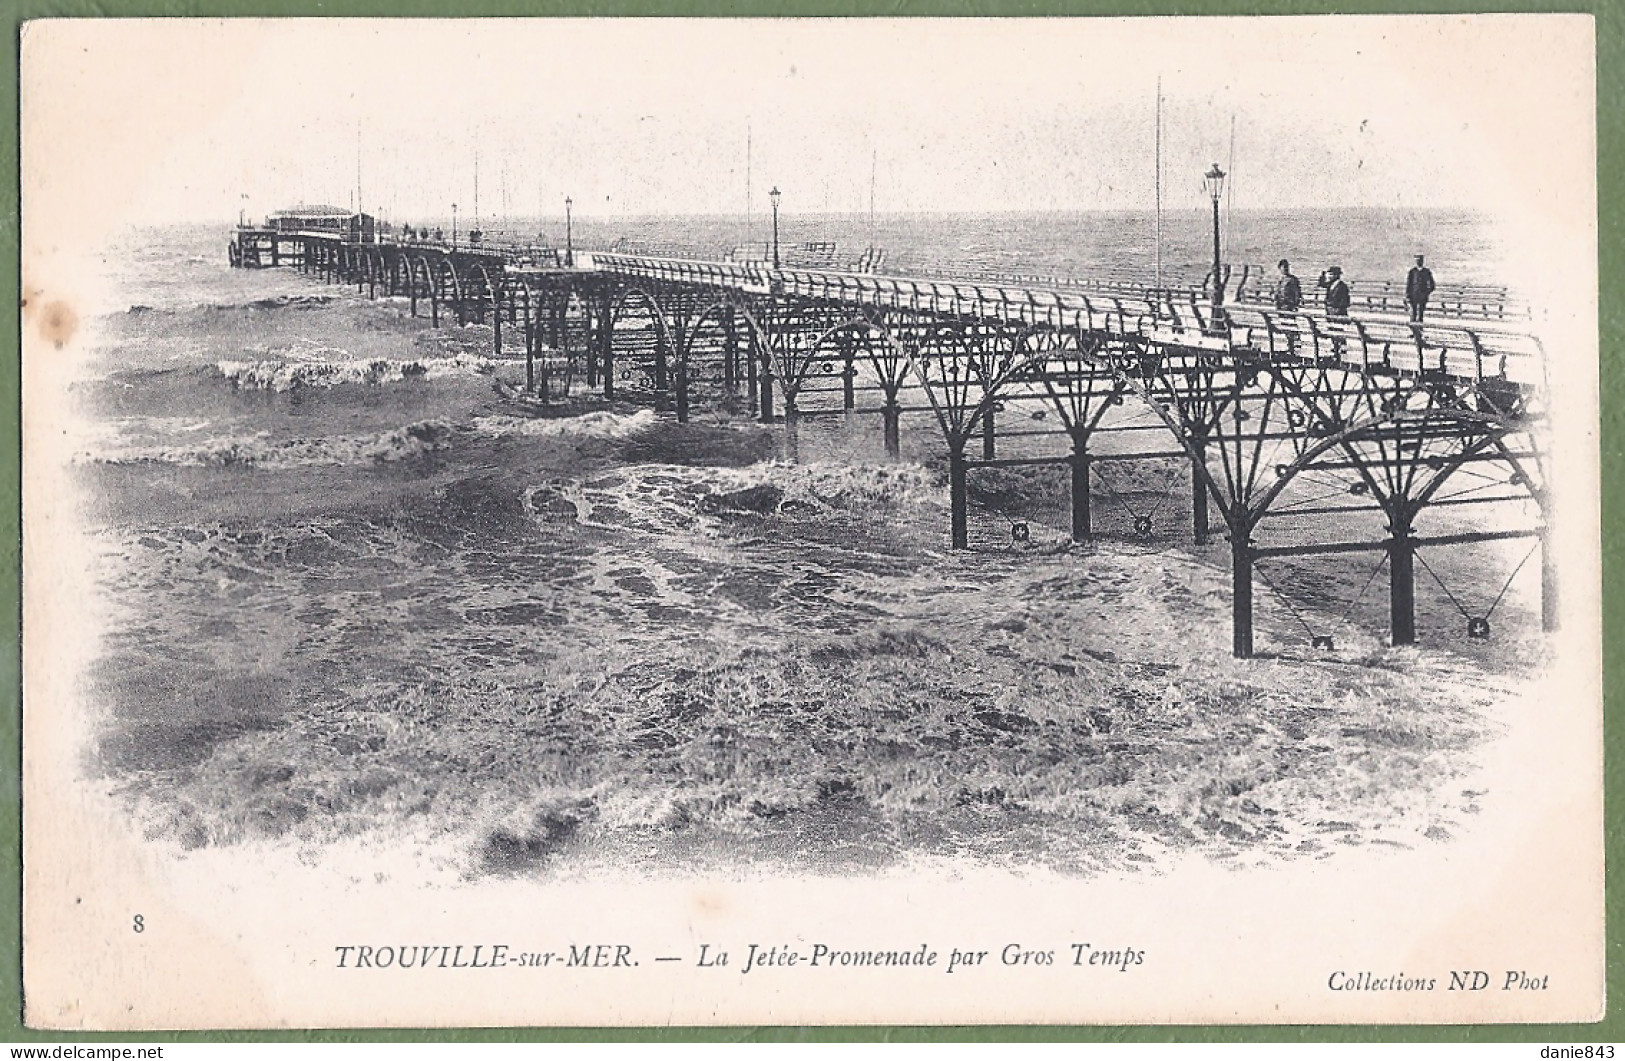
709 902
56 320
57 323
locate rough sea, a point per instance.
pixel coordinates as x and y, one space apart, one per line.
353 586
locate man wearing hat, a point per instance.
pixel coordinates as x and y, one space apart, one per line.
1418 286
1288 292
1337 293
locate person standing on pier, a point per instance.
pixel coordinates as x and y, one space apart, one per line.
1337 293
1288 292
1418 286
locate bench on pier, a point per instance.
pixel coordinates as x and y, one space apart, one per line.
1487 302
1451 349
817 254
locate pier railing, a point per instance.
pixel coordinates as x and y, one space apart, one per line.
1254 285
1482 339
1246 331
1247 285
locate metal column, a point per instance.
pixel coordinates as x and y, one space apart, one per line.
959 499
1241 594
1402 585
1081 529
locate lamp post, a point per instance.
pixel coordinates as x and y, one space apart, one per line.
569 234
454 224
1214 180
774 197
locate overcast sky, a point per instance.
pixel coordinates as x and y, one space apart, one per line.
181 119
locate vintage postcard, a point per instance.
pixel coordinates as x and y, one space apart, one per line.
894 521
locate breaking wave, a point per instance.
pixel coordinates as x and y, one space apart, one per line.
402 443
272 302
279 374
661 499
598 424
193 309
259 451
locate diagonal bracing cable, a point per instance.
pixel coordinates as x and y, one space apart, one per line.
1121 501
1284 599
1465 614
1496 603
1381 563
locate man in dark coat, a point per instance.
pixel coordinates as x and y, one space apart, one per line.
1337 293
1418 286
1288 292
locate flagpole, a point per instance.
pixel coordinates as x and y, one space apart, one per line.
1159 183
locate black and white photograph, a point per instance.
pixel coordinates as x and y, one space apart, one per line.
804 521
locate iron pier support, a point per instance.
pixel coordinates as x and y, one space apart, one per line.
1402 586
750 367
959 497
561 341
849 376
730 351
792 436
595 343
890 416
530 356
1081 529
767 392
1241 594
1199 520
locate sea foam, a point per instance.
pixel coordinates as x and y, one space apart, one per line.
402 443
596 424
286 375
260 451
666 499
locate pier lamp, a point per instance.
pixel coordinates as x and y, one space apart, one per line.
569 235
1213 179
774 196
454 224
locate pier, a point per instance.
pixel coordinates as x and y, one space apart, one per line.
1360 413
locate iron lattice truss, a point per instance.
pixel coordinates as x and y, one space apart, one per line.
1291 424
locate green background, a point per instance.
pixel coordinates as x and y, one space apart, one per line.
1610 20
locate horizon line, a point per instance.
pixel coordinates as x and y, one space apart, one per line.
864 214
